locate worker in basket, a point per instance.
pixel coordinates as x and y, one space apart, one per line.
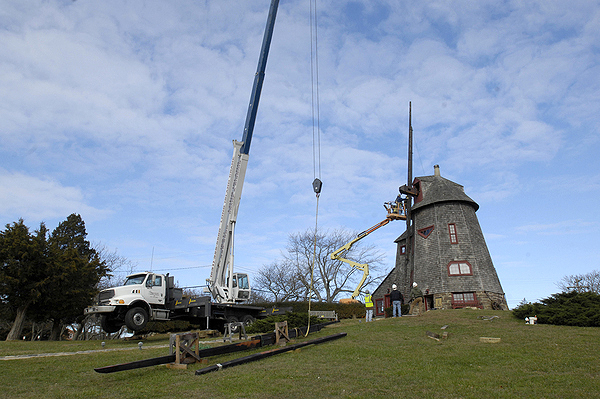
396 208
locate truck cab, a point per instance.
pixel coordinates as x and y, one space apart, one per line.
151 287
143 297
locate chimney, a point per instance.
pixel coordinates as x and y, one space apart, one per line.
436 170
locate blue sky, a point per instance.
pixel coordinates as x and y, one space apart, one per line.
124 112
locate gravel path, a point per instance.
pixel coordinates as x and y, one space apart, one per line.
34 355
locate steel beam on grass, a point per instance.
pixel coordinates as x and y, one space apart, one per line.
262 355
155 361
255 342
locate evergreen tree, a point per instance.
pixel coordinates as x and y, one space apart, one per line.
567 308
23 271
48 278
76 270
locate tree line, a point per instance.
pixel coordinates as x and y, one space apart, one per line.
51 277
48 276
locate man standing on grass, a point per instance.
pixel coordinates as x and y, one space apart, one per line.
416 298
369 306
396 299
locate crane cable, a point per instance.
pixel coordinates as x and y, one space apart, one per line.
316 132
314 78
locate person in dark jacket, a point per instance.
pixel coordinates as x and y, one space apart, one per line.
396 299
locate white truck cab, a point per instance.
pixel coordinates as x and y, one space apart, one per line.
142 297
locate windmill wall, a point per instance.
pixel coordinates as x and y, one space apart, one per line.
450 260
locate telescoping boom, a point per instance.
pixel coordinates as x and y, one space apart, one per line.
224 285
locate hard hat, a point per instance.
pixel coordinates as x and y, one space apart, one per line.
414 284
394 286
367 291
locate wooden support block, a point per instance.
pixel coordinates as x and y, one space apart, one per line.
489 340
185 347
281 330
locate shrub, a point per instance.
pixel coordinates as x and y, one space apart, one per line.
295 320
343 310
171 326
567 308
526 310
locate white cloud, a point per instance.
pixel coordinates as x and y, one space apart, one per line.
562 227
126 110
40 199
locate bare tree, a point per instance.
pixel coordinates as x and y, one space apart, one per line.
258 296
589 282
118 265
279 280
292 278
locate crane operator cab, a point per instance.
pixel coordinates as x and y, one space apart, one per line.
240 286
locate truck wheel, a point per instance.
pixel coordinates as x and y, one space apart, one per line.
110 325
248 319
136 319
233 319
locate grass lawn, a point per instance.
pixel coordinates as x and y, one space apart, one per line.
386 358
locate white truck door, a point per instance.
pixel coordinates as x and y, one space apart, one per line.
154 289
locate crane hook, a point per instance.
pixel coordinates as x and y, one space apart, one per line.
317 184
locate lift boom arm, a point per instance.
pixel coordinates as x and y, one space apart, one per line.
342 251
396 211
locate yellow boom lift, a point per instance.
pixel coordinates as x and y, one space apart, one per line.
396 210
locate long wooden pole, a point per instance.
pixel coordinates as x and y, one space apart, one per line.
409 199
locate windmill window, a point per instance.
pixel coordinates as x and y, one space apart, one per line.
460 268
463 299
425 232
463 296
452 232
403 250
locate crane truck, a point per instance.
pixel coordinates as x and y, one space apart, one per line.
149 296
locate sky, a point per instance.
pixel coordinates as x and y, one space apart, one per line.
124 112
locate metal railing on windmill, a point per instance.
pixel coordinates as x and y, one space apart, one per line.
396 210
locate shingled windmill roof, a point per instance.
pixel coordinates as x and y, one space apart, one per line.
438 189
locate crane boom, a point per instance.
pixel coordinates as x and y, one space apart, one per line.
224 285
